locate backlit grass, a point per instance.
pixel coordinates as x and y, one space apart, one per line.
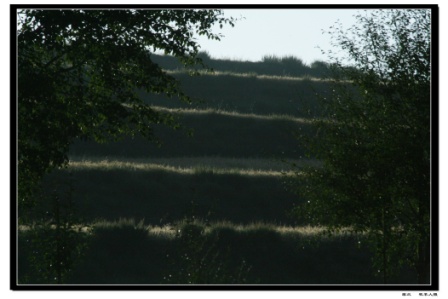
193 111
251 75
190 165
171 230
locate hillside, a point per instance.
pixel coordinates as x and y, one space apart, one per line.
246 115
243 127
214 199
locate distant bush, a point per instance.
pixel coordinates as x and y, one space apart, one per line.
205 56
320 68
282 60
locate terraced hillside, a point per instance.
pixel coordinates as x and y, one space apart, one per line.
206 207
229 169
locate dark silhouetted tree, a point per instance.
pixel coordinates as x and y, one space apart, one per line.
79 72
374 140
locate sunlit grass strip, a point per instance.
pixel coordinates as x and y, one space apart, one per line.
207 162
77 228
250 75
195 165
209 111
170 231
256 226
223 112
202 169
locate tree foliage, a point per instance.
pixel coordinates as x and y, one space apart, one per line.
79 72
374 140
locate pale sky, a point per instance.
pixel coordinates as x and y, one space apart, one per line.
279 32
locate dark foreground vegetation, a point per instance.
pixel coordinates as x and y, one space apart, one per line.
192 252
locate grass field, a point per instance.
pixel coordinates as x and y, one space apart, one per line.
212 208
